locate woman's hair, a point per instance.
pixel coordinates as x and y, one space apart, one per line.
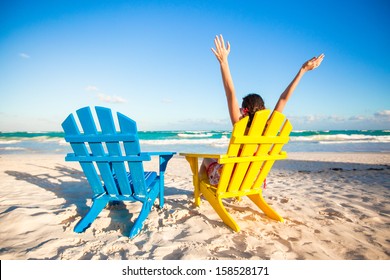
252 103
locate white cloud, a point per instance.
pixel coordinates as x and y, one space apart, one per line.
24 55
111 99
91 88
104 97
383 115
378 116
167 101
378 120
358 118
315 118
201 124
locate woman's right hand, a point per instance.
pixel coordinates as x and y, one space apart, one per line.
221 50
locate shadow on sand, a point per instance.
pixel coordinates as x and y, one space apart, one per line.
71 185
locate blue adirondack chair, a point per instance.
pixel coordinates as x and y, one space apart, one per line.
113 164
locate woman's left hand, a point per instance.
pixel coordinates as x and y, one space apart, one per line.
313 63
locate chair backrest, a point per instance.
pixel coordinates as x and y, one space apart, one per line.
103 154
251 153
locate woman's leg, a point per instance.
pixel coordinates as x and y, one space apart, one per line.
203 168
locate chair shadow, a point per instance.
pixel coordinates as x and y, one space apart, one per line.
74 192
72 185
176 191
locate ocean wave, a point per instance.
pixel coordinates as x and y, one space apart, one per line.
209 138
38 139
211 142
320 139
45 139
12 149
62 142
8 142
194 135
341 138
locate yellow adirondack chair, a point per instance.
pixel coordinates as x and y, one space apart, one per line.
246 164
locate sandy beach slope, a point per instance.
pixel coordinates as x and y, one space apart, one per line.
336 207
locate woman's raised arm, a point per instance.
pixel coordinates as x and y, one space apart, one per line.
307 66
221 52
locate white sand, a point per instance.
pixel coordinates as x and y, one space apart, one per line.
335 206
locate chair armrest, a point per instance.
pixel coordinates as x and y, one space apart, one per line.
191 155
161 153
164 157
193 161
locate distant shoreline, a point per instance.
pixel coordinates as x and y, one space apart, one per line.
211 141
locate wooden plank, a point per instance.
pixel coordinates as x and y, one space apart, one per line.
89 127
70 128
106 137
108 128
257 170
276 149
233 150
132 148
248 150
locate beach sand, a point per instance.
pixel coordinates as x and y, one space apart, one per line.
335 205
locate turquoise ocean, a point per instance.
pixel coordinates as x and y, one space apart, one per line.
206 141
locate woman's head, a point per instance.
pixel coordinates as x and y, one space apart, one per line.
251 104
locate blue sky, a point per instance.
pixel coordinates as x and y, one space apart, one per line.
151 60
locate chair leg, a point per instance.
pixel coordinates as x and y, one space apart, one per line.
193 161
196 192
161 188
97 206
218 206
145 210
263 205
163 160
138 224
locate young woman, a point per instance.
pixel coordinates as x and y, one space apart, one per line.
251 103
